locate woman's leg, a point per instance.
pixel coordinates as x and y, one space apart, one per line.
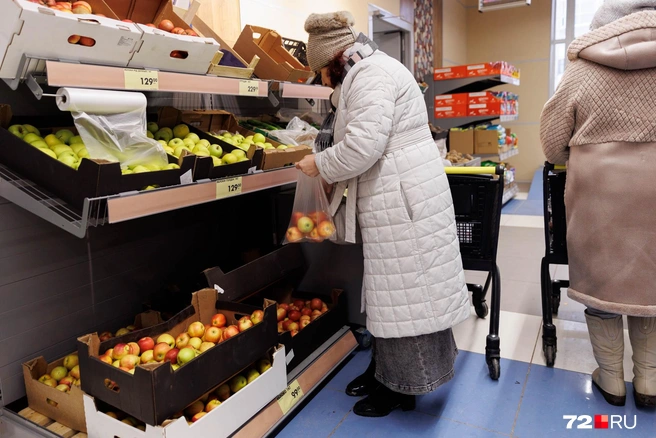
607 338
365 383
642 332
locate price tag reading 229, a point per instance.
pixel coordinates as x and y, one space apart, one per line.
141 79
249 88
228 187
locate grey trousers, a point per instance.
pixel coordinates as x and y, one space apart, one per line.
600 313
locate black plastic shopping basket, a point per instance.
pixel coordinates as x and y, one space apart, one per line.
555 235
477 198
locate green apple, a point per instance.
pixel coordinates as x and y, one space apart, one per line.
178 151
250 138
251 375
163 142
193 136
223 392
259 138
268 145
217 161
31 138
32 129
259 144
181 131
237 383
227 135
153 167
171 166
229 159
242 159
77 147
68 159
152 127
201 152
199 148
64 135
169 150
189 143
282 147
203 142
149 134
48 152
40 144
126 171
60 148
76 139
238 153
140 169
185 355
216 150
263 365
83 153
18 130
175 143
164 134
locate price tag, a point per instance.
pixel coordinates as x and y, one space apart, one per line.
249 88
290 396
141 79
228 187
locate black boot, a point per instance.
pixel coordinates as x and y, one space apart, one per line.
382 401
364 383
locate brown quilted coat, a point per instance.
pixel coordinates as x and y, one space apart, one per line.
602 123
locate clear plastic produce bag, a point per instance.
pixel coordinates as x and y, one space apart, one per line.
297 133
310 220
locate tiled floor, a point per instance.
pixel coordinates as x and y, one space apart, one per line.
529 400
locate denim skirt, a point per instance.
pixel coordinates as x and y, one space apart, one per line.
415 365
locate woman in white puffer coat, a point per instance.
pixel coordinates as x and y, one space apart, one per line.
382 150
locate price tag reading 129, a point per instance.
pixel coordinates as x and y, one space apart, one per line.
290 396
228 187
141 79
249 88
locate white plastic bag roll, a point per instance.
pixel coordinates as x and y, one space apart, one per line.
99 101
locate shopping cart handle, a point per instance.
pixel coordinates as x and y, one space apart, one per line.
497 170
550 166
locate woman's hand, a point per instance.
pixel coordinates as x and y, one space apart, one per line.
308 166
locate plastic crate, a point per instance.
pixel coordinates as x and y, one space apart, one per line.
297 48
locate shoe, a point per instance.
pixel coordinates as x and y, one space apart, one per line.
607 338
642 332
382 401
364 383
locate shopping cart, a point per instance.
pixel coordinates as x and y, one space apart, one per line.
477 199
555 235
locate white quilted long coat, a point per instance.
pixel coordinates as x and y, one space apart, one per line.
414 283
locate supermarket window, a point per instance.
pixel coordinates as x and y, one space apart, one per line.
570 20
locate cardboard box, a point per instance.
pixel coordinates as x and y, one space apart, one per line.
493 108
155 392
482 97
275 276
275 61
40 32
492 68
92 179
443 100
462 141
446 73
220 422
445 112
486 141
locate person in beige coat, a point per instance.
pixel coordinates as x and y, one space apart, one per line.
602 123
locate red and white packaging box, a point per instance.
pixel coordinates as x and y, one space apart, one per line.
451 99
222 421
486 109
445 112
157 46
40 32
446 73
482 97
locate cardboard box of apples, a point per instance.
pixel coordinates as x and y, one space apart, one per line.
276 276
218 413
58 160
53 389
194 351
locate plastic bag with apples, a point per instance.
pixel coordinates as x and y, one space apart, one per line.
310 221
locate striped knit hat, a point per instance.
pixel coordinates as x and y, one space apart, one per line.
613 10
329 34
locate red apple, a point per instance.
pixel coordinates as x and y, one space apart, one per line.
326 229
190 32
146 343
318 217
212 404
212 334
171 355
120 350
160 350
306 311
195 343
127 21
166 338
65 5
80 7
166 25
106 359
198 416
86 41
245 323
285 324
304 323
284 306
105 336
196 329
315 236
151 25
134 348
206 346
304 318
75 372
299 304
280 330
230 331
147 356
282 313
324 308
294 315
182 340
219 320
293 326
294 235
130 361
68 380
257 316
294 333
316 304
295 217
178 31
63 388
305 225
74 39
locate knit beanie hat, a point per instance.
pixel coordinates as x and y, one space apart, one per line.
613 10
329 34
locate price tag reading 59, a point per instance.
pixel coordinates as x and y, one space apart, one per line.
141 79
228 187
290 396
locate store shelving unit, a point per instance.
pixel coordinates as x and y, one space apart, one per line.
509 192
472 84
502 156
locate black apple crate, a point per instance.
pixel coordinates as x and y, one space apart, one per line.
298 49
555 238
477 199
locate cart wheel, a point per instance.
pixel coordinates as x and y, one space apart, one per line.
555 303
550 355
363 337
495 368
481 310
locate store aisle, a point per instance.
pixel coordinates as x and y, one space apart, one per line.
529 400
